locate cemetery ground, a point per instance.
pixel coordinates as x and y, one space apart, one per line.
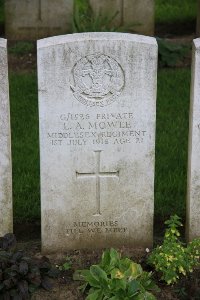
170 179
171 162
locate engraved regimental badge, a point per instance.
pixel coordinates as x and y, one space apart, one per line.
97 80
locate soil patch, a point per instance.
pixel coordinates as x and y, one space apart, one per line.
65 287
165 30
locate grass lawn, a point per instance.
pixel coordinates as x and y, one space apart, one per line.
171 144
2 18
171 141
25 146
174 11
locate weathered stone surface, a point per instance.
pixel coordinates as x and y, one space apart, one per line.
6 218
132 14
34 19
193 196
97 104
109 9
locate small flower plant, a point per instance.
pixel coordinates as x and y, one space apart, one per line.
116 278
173 258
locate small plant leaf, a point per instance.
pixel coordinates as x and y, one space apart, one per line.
8 284
114 257
53 273
6 296
134 270
46 284
23 289
67 266
23 267
98 273
8 241
17 297
105 260
32 288
95 295
86 276
17 256
118 284
83 287
133 288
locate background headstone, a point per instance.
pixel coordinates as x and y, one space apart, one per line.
6 217
34 19
193 196
97 104
132 14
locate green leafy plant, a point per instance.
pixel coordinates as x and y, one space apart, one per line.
173 258
66 265
116 278
84 19
20 275
169 54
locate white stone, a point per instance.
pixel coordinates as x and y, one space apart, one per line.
6 217
33 19
135 15
193 195
109 9
97 106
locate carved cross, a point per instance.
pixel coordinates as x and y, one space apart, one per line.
97 175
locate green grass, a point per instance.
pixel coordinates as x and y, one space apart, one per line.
21 48
172 11
2 15
171 144
25 147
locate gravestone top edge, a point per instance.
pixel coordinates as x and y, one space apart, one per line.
196 43
75 37
3 42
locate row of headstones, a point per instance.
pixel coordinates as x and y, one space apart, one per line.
97 115
34 19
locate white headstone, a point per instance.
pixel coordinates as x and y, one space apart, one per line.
33 19
6 217
135 15
97 106
193 195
